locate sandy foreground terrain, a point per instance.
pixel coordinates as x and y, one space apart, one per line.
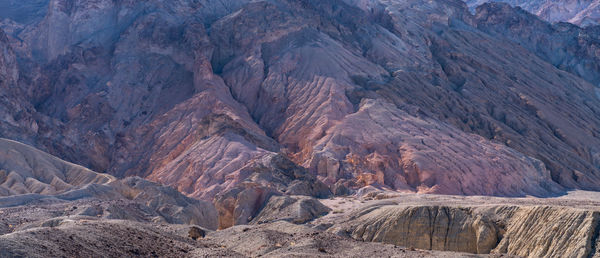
51 230
59 228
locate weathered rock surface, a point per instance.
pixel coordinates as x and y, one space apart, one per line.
414 96
431 228
30 176
24 169
578 12
257 183
284 239
526 227
551 232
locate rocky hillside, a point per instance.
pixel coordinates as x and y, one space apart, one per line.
580 12
418 96
30 177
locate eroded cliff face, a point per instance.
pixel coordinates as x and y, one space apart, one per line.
431 228
530 230
417 96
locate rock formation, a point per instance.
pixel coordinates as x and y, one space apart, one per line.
520 227
431 228
29 176
24 170
235 101
249 112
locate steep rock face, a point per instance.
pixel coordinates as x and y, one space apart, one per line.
533 232
430 228
17 113
521 230
460 74
120 65
584 13
24 12
302 69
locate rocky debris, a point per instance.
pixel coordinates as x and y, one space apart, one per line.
272 175
295 209
584 13
96 238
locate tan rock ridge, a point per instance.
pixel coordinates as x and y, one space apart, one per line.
24 169
526 227
29 176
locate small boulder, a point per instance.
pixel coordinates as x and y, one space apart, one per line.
196 233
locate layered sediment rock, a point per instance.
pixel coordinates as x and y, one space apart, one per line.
430 228
526 230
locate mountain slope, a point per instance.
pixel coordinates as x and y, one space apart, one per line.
584 13
417 96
